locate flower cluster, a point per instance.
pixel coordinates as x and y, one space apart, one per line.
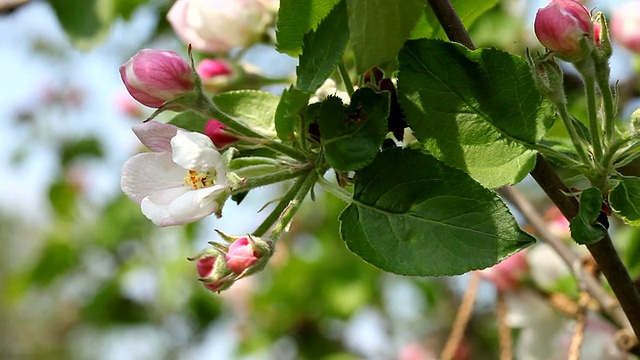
219 267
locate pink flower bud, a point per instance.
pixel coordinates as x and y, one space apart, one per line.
210 68
216 131
561 25
507 274
154 77
213 270
242 255
625 25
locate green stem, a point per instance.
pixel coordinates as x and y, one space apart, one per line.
609 112
208 108
344 73
292 207
269 179
335 190
573 134
608 158
280 207
586 69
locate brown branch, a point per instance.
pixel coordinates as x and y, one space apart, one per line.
603 251
462 318
578 332
504 331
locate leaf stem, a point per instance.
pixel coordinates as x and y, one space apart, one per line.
336 191
346 79
573 134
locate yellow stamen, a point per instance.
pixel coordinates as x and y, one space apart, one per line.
198 180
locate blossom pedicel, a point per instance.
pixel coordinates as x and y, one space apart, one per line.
561 25
154 77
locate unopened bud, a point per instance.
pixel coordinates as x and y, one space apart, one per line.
154 77
213 270
548 77
220 137
561 27
248 254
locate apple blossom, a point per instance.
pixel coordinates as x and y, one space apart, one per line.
154 77
215 130
217 26
507 275
561 25
182 180
625 25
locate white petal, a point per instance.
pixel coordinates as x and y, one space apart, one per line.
197 204
156 206
155 135
193 150
148 173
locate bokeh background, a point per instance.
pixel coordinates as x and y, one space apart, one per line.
84 275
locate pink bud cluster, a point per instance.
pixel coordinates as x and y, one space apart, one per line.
220 267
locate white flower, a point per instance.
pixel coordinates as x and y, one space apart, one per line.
183 180
217 26
329 87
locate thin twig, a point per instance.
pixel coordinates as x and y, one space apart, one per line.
462 318
578 332
504 331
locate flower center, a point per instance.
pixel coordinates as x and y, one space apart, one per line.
198 180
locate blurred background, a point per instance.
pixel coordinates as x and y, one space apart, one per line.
84 275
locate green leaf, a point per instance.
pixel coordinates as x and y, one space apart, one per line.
625 200
352 137
125 8
190 120
379 28
474 110
585 228
86 22
295 19
255 109
292 105
322 49
413 215
468 11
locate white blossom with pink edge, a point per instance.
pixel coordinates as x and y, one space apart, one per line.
182 180
217 26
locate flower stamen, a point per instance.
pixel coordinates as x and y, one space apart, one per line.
198 180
